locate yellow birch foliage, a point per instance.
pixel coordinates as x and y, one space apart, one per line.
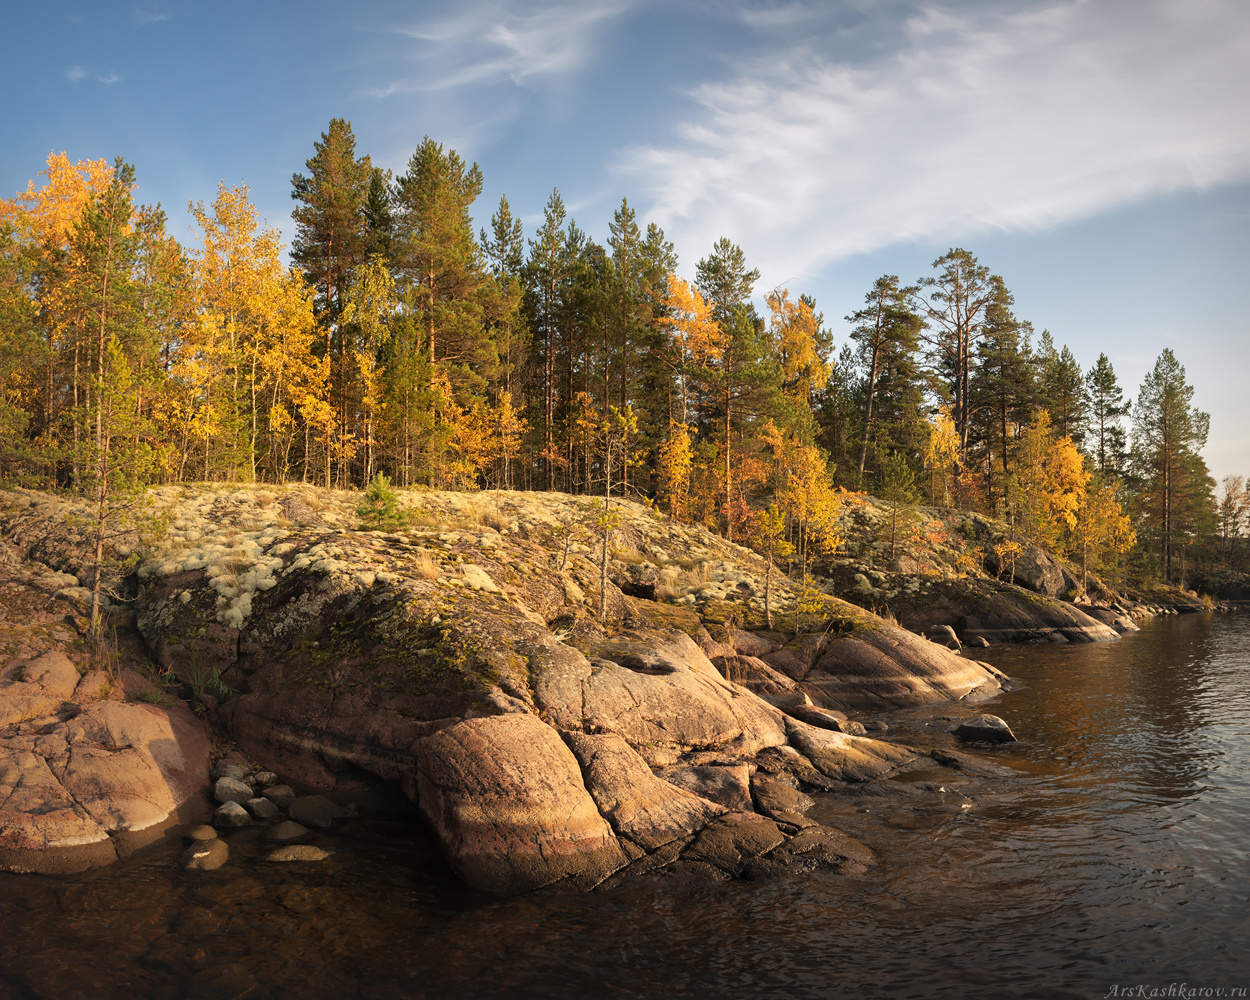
696 338
941 454
1048 486
1102 531
793 330
676 458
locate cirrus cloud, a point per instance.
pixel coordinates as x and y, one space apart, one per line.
971 119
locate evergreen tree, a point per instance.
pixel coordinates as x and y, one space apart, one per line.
954 303
1061 390
1174 489
331 234
1105 406
1005 393
887 334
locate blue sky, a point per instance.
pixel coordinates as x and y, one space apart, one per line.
1096 153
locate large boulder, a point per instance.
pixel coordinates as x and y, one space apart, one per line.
504 796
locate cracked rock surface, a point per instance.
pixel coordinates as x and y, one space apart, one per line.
549 729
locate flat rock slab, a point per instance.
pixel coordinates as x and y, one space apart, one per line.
504 797
846 758
828 845
101 784
986 728
727 785
318 811
727 842
205 856
646 810
772 797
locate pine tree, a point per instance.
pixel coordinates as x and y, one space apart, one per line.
1061 389
331 233
887 334
1104 407
1174 490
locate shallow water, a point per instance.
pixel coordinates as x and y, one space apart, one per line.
1114 856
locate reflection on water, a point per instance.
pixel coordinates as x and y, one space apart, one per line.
1116 855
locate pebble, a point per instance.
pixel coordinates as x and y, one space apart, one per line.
205 855
201 832
230 789
265 778
298 852
261 809
230 815
280 795
286 831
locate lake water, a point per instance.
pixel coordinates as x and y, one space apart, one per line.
1114 857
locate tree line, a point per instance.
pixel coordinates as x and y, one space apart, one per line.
399 341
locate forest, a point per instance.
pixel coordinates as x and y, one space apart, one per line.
398 342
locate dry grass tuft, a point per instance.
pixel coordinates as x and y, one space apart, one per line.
425 566
487 514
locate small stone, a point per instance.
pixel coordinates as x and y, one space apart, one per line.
261 809
286 831
230 815
201 832
876 726
228 769
989 728
205 855
264 779
298 852
280 795
317 810
230 789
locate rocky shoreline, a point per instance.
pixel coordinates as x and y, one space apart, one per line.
549 729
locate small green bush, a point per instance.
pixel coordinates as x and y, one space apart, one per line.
379 510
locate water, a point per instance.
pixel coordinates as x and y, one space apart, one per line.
1113 856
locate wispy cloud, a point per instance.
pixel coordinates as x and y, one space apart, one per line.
999 117
74 73
144 16
490 43
108 79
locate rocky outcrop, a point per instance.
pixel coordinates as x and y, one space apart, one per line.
950 574
548 731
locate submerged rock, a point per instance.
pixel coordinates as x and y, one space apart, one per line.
989 728
298 852
205 855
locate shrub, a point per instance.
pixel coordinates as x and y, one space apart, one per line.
380 507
